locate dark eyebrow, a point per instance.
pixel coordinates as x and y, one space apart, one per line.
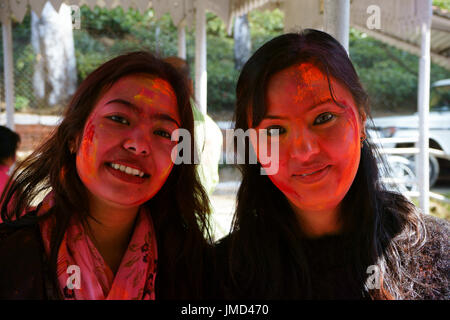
166 117
126 103
269 116
136 109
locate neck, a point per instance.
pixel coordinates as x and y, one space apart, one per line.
111 230
315 224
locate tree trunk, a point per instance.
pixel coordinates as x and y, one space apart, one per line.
242 41
55 73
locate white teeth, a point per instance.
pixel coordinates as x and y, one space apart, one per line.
128 170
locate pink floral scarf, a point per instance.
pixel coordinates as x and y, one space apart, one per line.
84 275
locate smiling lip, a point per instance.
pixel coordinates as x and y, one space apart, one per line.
313 175
126 177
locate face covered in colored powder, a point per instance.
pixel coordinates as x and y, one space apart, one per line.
124 155
319 140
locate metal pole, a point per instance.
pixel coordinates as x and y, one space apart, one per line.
9 70
337 20
424 106
200 55
181 41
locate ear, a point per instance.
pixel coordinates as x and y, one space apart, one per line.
73 145
363 119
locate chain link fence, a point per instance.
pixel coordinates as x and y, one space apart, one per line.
100 35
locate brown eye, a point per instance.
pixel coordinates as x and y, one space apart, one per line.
119 119
323 118
274 131
162 133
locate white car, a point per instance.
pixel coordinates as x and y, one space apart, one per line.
439 129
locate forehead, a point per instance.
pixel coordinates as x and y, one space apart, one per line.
303 85
147 92
131 85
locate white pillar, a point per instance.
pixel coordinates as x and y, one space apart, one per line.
8 71
200 55
181 41
337 20
424 106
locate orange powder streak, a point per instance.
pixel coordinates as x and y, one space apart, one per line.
90 149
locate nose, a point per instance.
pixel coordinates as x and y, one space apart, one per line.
304 145
138 143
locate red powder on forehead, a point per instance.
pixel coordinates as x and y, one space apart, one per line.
157 88
164 87
310 83
309 74
145 96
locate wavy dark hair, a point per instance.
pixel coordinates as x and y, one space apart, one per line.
266 256
179 210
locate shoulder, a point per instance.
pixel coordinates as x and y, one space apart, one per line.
17 236
437 239
21 262
436 227
432 260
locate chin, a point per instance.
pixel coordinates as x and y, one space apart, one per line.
317 206
126 202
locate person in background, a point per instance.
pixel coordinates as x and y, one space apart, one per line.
207 134
9 143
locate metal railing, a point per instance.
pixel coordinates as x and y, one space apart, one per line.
412 193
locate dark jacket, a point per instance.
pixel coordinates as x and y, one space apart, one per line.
332 271
24 265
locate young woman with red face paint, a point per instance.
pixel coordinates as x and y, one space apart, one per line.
121 221
323 226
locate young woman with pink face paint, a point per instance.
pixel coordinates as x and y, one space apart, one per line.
323 226
121 221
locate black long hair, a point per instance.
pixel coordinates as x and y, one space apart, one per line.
179 210
266 256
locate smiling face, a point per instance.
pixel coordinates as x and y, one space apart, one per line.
124 154
319 141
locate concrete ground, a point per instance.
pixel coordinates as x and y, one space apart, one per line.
223 202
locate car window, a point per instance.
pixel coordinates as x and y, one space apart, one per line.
440 98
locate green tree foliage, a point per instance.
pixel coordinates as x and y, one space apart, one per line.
388 74
23 59
443 4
